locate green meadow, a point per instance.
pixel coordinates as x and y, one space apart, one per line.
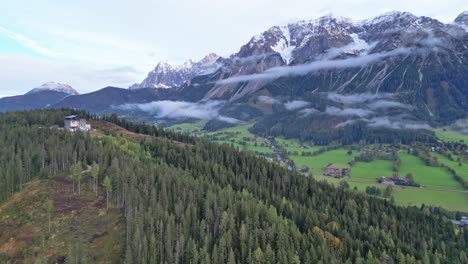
372 170
450 135
338 157
462 170
407 196
362 174
432 177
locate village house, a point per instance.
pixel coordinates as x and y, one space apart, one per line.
333 171
386 181
75 122
462 222
396 181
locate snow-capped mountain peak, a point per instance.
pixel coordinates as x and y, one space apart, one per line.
166 75
462 19
55 86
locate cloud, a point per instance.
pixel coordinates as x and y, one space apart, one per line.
308 111
299 70
394 123
229 120
357 46
346 123
335 111
28 43
357 98
180 109
268 99
293 105
387 122
386 104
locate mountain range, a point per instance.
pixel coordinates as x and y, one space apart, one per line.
396 70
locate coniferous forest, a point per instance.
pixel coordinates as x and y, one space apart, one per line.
186 200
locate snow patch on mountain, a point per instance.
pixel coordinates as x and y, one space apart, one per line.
54 86
166 75
284 47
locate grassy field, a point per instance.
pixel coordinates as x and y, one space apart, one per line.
338 157
235 135
450 135
430 177
455 201
240 131
433 177
462 170
405 196
371 170
188 127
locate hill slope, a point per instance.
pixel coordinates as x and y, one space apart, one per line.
200 202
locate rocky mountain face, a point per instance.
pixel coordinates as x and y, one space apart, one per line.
396 70
55 86
166 75
420 60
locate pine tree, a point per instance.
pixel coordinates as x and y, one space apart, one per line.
95 173
49 206
107 184
76 175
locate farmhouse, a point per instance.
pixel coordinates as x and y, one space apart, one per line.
462 222
385 180
396 181
333 171
75 122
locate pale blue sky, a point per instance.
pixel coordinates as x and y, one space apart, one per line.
93 44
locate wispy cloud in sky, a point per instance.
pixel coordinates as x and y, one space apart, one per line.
27 43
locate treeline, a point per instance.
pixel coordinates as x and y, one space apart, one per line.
200 202
323 132
32 145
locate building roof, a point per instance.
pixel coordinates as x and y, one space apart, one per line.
72 117
332 166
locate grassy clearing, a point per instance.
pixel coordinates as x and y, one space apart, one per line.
188 127
239 131
371 170
338 157
433 177
450 135
454 201
235 136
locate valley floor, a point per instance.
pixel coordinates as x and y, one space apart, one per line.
438 186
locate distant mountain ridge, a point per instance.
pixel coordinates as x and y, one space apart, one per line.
165 75
43 96
329 74
55 86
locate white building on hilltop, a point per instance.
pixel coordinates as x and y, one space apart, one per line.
75 122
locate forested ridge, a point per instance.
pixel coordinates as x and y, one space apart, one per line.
200 202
